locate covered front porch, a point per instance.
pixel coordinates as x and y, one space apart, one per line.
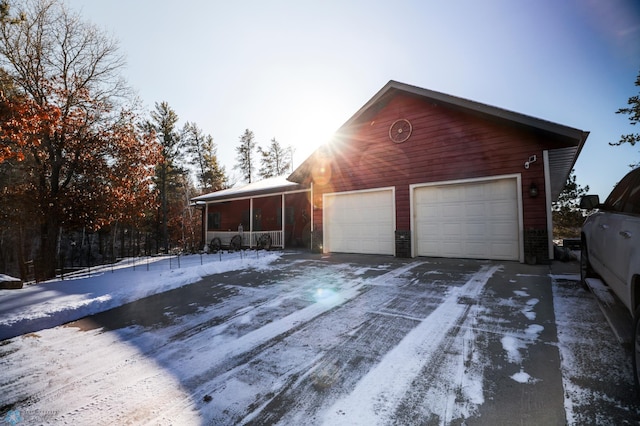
270 213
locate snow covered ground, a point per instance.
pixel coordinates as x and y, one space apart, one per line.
98 289
297 339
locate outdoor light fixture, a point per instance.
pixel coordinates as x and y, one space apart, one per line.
531 160
533 190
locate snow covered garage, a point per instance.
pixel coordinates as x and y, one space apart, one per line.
420 173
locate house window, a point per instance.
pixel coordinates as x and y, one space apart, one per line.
257 219
289 216
213 221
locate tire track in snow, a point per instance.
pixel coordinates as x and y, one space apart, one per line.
376 397
236 350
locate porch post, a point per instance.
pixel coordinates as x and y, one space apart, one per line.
250 221
205 224
283 218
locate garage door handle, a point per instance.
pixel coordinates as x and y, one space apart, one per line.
625 234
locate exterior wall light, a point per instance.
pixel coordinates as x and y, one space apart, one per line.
533 190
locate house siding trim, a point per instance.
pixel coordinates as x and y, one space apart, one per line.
516 176
548 200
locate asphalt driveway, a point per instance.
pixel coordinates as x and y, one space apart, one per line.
339 339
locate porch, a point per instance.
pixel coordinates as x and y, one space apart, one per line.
274 210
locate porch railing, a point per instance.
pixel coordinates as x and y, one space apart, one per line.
249 239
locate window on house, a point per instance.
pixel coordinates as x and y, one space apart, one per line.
213 221
289 216
257 220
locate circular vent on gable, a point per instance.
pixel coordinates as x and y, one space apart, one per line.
400 130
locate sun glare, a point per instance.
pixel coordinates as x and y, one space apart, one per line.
313 120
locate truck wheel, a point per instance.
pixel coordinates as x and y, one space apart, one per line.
586 271
636 348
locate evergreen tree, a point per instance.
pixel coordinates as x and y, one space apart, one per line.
245 155
5 15
202 152
274 160
567 217
163 124
633 111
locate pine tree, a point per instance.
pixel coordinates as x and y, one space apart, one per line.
202 152
163 123
245 155
274 160
567 217
633 111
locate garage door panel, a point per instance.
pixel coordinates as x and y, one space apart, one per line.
476 209
360 222
474 220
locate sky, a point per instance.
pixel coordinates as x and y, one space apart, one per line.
297 70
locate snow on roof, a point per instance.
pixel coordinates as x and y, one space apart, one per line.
273 185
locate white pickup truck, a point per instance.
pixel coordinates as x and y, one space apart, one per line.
611 248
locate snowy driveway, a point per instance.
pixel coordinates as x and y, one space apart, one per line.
334 340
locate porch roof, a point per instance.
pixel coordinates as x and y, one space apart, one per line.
272 186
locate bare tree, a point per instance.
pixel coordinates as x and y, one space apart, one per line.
68 73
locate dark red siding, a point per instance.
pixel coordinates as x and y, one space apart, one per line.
445 144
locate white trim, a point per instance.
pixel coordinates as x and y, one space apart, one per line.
283 217
360 191
547 191
516 176
206 227
246 197
392 189
250 219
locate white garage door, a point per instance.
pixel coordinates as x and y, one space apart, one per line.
359 222
470 220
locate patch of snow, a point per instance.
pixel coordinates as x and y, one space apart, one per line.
601 291
513 343
8 278
58 301
523 377
389 380
512 346
528 310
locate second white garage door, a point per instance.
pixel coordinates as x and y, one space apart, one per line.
478 219
359 222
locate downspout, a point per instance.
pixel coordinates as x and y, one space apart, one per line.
547 191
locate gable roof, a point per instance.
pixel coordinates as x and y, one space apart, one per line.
270 186
561 160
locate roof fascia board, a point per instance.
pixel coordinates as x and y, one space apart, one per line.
249 196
